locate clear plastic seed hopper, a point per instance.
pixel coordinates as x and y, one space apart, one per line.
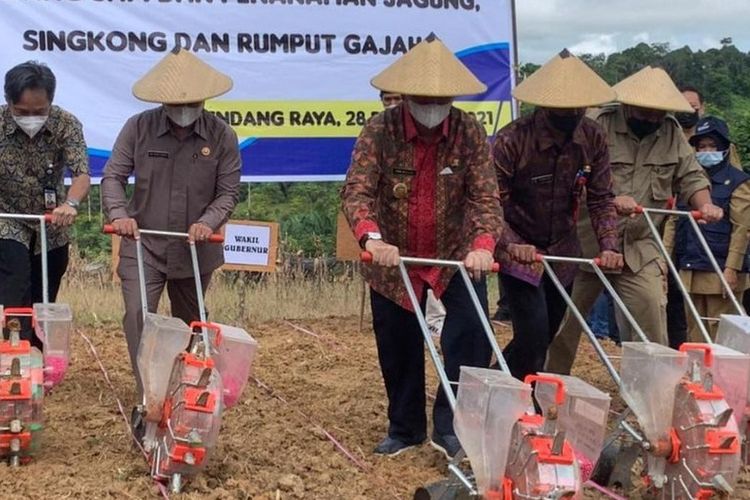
514 452
190 375
25 373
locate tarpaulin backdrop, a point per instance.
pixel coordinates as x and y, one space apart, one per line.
301 68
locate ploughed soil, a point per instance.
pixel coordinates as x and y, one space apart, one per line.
304 428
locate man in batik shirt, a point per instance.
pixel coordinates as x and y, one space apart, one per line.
545 163
39 142
421 184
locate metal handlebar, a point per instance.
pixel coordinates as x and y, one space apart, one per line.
43 219
692 216
546 261
214 238
403 261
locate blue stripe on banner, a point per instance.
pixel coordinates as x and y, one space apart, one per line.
297 156
268 157
491 64
483 48
100 153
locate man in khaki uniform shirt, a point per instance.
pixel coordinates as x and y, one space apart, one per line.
727 238
186 165
650 160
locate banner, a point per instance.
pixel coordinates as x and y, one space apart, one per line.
301 68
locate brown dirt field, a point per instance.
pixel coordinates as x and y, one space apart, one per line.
273 445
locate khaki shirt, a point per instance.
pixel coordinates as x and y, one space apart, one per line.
29 165
649 170
177 183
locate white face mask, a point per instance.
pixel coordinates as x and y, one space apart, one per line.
30 124
429 115
183 115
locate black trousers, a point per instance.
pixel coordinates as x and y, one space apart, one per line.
21 278
401 353
676 319
536 313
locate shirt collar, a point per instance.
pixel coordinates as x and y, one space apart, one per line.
547 136
621 125
9 125
199 128
410 126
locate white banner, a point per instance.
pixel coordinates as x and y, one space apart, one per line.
301 68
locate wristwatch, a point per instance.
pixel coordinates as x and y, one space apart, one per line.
370 236
73 203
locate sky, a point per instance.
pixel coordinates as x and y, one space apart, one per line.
596 26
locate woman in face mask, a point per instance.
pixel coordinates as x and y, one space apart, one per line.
727 238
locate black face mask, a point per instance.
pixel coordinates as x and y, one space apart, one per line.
687 120
642 128
564 123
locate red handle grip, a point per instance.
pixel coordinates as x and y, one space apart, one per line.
708 353
210 326
47 217
108 229
695 214
19 312
559 392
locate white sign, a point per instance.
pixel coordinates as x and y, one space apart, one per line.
250 245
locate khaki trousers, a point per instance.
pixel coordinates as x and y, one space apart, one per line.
643 294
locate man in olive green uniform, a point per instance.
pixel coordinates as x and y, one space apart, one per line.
650 160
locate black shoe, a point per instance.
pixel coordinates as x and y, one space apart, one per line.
393 446
447 444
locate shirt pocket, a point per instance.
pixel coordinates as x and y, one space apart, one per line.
661 180
622 170
454 183
203 177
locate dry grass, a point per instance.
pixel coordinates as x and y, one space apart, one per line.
233 297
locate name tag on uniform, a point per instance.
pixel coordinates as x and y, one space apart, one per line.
542 179
50 199
404 171
158 154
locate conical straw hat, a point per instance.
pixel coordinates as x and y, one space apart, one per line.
564 82
651 88
428 69
181 78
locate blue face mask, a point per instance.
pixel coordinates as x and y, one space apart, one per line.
710 158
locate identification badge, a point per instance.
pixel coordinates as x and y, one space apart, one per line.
158 154
50 199
404 171
542 179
